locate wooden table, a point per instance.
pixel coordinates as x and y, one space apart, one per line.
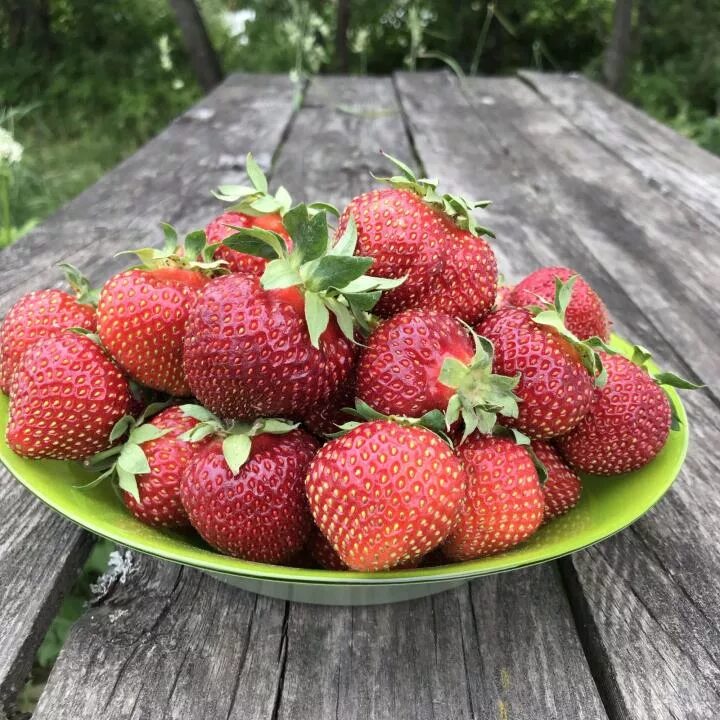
626 629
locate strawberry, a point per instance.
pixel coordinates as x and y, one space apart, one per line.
505 501
44 314
385 493
419 361
557 371
65 398
629 418
324 419
411 230
322 552
143 311
562 488
503 296
252 207
245 494
281 344
150 463
586 315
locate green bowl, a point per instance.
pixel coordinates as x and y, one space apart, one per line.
607 506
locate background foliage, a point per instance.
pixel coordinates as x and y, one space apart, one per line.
93 80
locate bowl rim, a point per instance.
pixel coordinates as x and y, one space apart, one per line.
226 565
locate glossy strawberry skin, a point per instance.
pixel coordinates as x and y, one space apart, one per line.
448 269
563 487
384 494
222 227
261 514
248 352
627 426
65 397
555 389
505 502
399 367
586 315
141 321
323 419
39 314
167 456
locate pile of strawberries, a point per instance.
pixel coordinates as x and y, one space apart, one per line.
364 397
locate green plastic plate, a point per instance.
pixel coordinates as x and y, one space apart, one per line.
608 505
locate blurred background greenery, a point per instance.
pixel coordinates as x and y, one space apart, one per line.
83 83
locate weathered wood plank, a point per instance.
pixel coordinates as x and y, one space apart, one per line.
501 647
470 653
40 555
648 599
188 647
684 172
169 179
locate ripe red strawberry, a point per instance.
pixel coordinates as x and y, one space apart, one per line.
281 344
385 493
322 552
222 227
150 464
419 361
562 488
586 315
65 398
505 501
143 311
324 419
629 419
257 510
43 314
503 296
557 371
253 207
410 230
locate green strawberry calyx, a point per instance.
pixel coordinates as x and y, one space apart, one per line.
257 200
194 254
480 394
642 357
331 278
236 436
124 461
460 209
553 315
85 294
434 420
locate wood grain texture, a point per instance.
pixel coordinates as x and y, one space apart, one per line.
169 643
40 556
504 647
169 179
684 173
647 599
501 647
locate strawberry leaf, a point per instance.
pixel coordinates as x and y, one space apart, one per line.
346 243
197 412
145 433
273 426
256 175
128 483
337 271
279 274
673 380
256 241
236 451
132 460
317 317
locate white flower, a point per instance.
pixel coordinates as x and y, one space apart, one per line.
10 149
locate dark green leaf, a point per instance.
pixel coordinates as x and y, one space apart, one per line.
668 378
337 271
258 242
